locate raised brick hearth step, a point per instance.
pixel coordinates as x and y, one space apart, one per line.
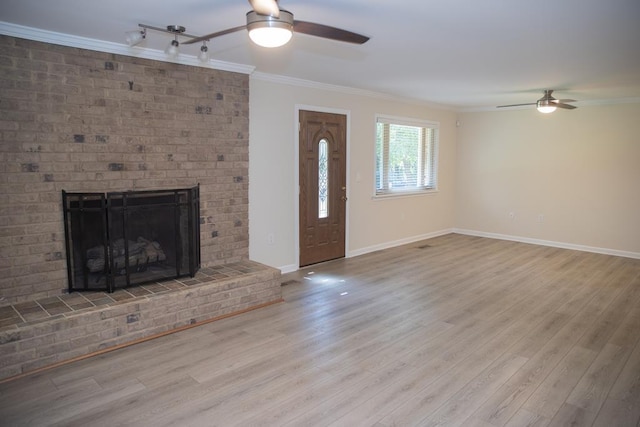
45 332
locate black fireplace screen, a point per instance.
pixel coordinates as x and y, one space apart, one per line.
123 239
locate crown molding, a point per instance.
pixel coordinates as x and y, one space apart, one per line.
45 36
292 81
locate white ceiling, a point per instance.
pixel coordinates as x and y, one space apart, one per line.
463 54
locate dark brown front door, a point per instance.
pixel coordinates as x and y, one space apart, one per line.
323 188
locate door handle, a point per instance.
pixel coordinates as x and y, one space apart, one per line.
343 198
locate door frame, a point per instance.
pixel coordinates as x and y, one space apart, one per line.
296 162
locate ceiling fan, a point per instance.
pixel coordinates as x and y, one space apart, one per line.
547 104
270 26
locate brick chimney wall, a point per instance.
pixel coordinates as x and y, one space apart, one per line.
84 121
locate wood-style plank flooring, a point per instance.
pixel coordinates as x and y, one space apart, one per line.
454 330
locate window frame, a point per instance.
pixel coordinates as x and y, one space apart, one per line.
412 191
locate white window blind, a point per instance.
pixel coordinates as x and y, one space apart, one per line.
406 155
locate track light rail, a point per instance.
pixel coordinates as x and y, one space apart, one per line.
168 31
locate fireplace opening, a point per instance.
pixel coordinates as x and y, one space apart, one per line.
123 239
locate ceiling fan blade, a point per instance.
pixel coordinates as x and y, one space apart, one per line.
328 32
515 105
214 35
265 7
565 100
565 106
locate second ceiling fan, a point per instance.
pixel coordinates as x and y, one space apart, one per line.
547 104
270 26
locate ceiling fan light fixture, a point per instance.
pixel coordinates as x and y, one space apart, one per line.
172 49
270 31
546 107
136 37
547 104
203 56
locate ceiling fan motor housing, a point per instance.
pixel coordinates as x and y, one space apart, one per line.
547 98
255 20
547 102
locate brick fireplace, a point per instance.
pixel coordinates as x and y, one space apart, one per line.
85 121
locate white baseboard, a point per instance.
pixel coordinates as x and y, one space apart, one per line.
399 242
294 267
551 243
605 251
288 268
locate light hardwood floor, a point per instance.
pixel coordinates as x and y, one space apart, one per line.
455 330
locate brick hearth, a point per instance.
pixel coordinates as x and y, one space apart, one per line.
44 332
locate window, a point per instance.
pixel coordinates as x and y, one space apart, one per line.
323 178
406 156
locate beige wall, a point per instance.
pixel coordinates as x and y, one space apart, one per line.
571 178
371 224
580 169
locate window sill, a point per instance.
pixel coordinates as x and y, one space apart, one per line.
402 194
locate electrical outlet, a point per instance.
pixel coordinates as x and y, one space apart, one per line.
512 216
541 218
271 239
